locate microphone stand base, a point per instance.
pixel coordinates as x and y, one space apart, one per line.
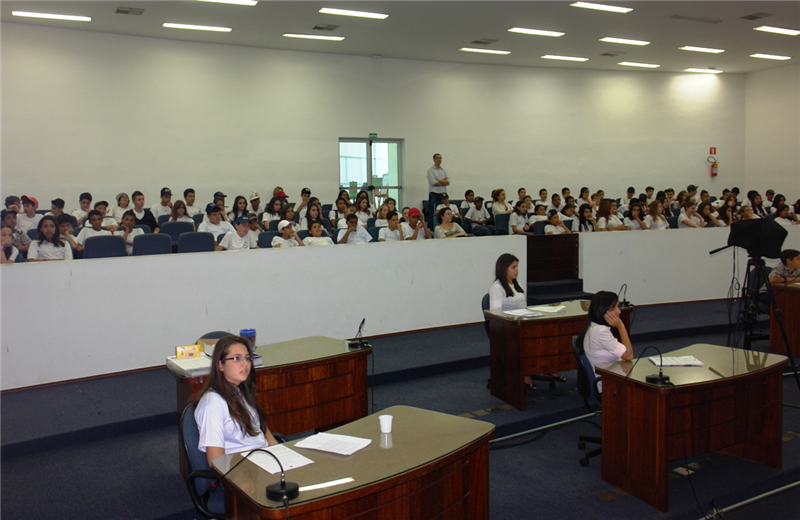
658 379
283 491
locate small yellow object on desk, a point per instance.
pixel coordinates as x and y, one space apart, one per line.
189 351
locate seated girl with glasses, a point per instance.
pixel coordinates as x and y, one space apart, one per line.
228 416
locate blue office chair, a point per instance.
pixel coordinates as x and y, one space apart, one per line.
152 244
265 238
176 229
374 232
105 246
208 500
162 219
538 227
196 242
371 222
673 222
303 234
198 219
144 227
326 209
33 234
592 398
501 223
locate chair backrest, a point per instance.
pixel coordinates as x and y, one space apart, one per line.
587 382
33 234
198 219
176 229
152 244
196 242
144 227
162 219
374 231
371 222
303 234
200 476
485 307
326 209
673 222
538 227
326 223
104 246
265 238
501 223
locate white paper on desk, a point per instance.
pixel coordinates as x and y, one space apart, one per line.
524 313
290 459
548 308
676 361
333 443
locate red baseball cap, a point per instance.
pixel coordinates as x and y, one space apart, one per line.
32 200
414 212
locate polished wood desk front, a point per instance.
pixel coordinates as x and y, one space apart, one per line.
433 465
522 347
731 404
788 299
305 384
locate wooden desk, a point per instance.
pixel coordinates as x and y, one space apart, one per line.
437 467
527 346
305 384
788 299
731 404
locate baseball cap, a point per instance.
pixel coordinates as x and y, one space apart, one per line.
165 192
59 203
120 195
282 224
242 219
414 212
30 200
219 194
281 194
211 208
305 190
6 212
254 195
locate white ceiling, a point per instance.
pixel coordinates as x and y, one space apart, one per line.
435 30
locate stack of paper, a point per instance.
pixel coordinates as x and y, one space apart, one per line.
676 361
525 313
548 308
333 443
289 459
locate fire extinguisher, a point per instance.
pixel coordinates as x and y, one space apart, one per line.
714 166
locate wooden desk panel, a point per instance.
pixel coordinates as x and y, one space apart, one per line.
788 300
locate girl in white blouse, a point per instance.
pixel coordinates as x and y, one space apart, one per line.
690 218
49 245
656 220
179 213
607 219
499 206
586 221
517 223
636 220
555 226
604 338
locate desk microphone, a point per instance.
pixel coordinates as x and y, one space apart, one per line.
280 491
623 301
654 379
358 342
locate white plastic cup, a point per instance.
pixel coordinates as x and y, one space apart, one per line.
386 423
386 440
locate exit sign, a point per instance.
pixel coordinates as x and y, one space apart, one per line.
375 136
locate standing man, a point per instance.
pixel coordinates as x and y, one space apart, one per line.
437 184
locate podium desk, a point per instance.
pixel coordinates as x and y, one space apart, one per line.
305 384
730 404
436 467
522 347
788 299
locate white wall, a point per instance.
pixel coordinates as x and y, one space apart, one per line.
65 320
772 154
111 113
664 266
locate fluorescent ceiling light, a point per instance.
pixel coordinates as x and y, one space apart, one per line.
564 58
770 56
601 7
535 32
358 14
196 27
700 49
67 17
624 41
777 30
234 2
314 37
703 71
483 51
643 65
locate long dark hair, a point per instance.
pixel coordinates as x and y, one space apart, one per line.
501 273
235 210
56 240
271 206
601 303
582 222
235 397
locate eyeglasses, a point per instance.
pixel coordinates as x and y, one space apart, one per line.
238 359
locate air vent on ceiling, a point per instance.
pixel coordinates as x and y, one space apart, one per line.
325 27
484 41
755 16
612 53
694 19
130 10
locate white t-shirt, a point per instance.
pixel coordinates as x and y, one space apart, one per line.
387 235
363 217
359 236
218 429
184 218
408 232
466 206
79 214
499 208
121 233
613 220
601 346
694 218
536 218
116 212
49 251
158 210
656 224
25 223
193 210
15 253
516 220
318 241
554 230
279 241
499 300
478 215
335 215
381 222
269 217
633 224
87 232
782 221
216 229
233 242
452 208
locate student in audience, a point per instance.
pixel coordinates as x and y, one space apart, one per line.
783 216
338 212
555 226
499 205
302 206
123 205
288 236
255 203
144 217
414 228
756 205
362 211
314 214
316 238
542 198
28 219
468 202
776 201
127 231
65 230
796 207
381 218
219 200
355 232
447 228
164 206
15 203
569 217
49 245
391 203
528 204
95 229
228 416
518 222
708 216
240 239
404 214
364 195
478 216
255 227
345 195
555 203
770 202
680 200
745 213
586 220
655 219
239 208
540 214
215 225
287 213
272 213
394 231
629 196
689 217
350 209
786 272
56 208
607 218
446 204
191 209
85 200
8 251
180 213
19 239
110 223
604 338
726 216
637 219
584 196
